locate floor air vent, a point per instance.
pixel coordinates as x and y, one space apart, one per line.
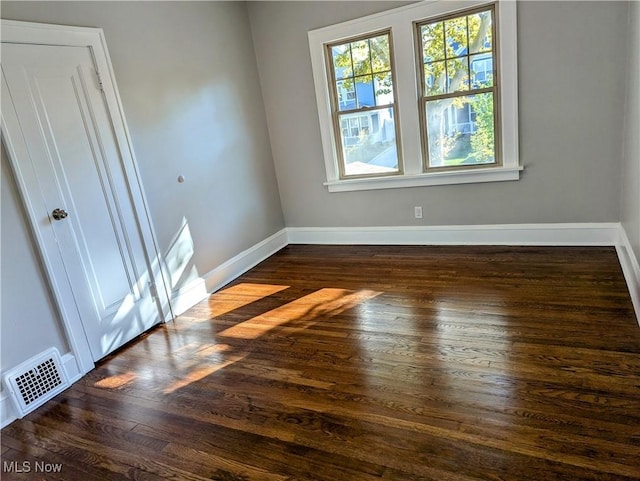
36 381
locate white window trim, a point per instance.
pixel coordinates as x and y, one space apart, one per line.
401 22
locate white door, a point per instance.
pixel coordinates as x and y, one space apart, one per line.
79 181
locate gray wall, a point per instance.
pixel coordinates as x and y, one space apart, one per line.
30 323
630 215
187 75
570 122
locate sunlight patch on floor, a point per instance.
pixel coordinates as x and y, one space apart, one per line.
209 350
203 371
115 382
240 295
292 317
301 313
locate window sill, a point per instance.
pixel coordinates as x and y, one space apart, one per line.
498 174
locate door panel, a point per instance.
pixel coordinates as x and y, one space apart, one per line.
81 169
56 94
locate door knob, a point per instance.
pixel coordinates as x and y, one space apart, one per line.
59 214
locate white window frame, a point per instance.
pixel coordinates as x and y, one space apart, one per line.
401 21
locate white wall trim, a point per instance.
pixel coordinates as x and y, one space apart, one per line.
200 288
244 261
471 176
577 234
71 367
574 234
7 411
188 296
630 268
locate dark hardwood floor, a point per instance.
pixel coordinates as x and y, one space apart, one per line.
334 363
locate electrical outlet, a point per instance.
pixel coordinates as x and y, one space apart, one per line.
417 211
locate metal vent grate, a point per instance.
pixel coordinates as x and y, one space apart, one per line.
36 381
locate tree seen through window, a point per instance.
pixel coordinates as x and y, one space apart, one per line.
459 90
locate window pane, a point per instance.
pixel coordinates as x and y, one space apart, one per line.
369 142
361 59
481 70
342 66
456 36
460 130
480 33
432 41
457 75
352 63
434 78
365 91
381 61
345 90
364 86
383 83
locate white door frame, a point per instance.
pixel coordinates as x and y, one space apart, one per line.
59 35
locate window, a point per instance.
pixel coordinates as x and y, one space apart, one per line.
363 107
421 95
459 91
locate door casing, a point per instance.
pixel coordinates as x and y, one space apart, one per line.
94 39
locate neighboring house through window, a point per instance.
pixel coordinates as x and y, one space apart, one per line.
454 120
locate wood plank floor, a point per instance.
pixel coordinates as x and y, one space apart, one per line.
334 363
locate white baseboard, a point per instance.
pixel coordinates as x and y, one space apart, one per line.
71 368
504 234
244 261
188 296
7 411
630 268
213 280
576 234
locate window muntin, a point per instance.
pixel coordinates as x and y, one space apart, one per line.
459 91
364 107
